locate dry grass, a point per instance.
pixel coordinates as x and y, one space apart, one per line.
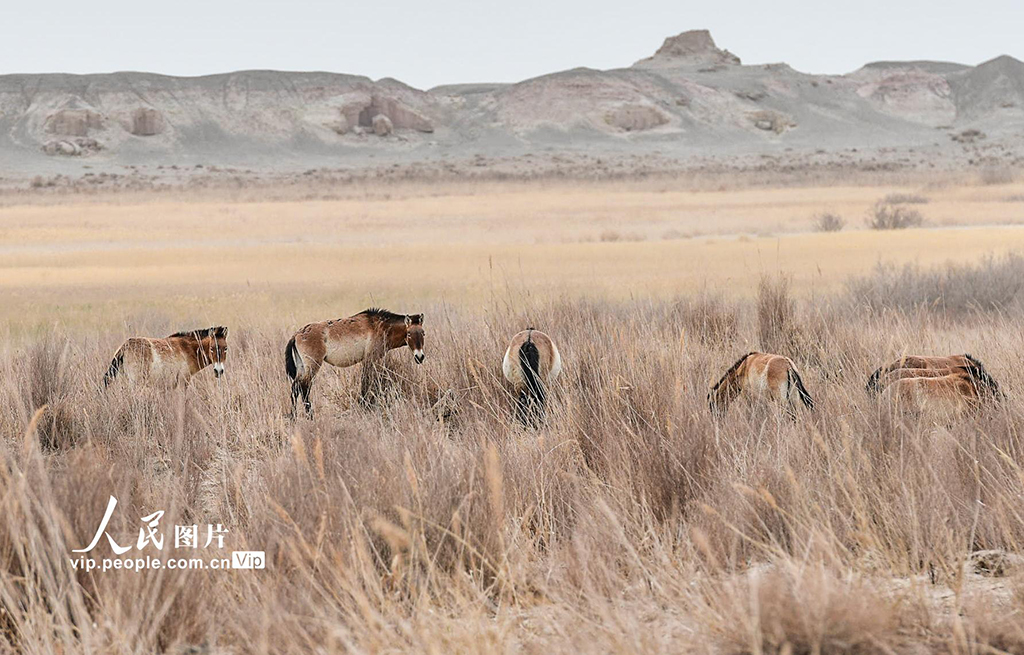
112 260
994 285
630 522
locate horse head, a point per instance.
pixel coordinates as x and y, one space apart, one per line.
215 348
414 336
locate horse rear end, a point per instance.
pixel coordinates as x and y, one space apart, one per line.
531 364
133 360
761 375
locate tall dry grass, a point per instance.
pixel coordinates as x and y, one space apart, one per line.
630 522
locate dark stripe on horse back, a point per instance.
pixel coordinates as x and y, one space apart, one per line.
219 332
732 369
382 315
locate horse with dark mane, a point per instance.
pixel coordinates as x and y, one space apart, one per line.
762 375
365 337
876 381
958 390
175 358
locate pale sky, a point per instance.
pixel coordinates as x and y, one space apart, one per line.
426 43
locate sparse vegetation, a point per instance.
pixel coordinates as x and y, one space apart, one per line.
771 121
992 175
829 222
905 199
886 216
613 236
993 285
969 136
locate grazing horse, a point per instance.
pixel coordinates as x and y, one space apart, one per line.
531 364
365 337
961 389
903 373
761 374
176 358
920 362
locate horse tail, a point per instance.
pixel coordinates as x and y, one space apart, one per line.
292 359
529 361
115 367
873 386
798 384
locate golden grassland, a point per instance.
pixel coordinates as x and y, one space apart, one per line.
209 258
630 521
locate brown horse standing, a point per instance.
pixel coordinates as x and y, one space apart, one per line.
905 373
532 362
176 358
876 383
960 390
760 374
365 337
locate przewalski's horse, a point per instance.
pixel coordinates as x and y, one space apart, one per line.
365 337
531 364
962 389
875 380
977 374
761 375
175 358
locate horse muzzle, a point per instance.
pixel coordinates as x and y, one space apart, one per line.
218 369
418 356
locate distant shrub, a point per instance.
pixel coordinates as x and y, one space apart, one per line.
885 216
612 236
829 222
771 121
905 199
954 289
969 136
993 175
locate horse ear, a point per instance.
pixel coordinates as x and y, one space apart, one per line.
417 319
221 332
408 320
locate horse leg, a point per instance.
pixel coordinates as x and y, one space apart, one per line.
370 385
529 409
305 398
523 407
300 389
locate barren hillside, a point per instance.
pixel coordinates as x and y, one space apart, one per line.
688 99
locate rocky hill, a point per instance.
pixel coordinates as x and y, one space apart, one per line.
689 98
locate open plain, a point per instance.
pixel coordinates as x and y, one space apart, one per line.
229 255
631 521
